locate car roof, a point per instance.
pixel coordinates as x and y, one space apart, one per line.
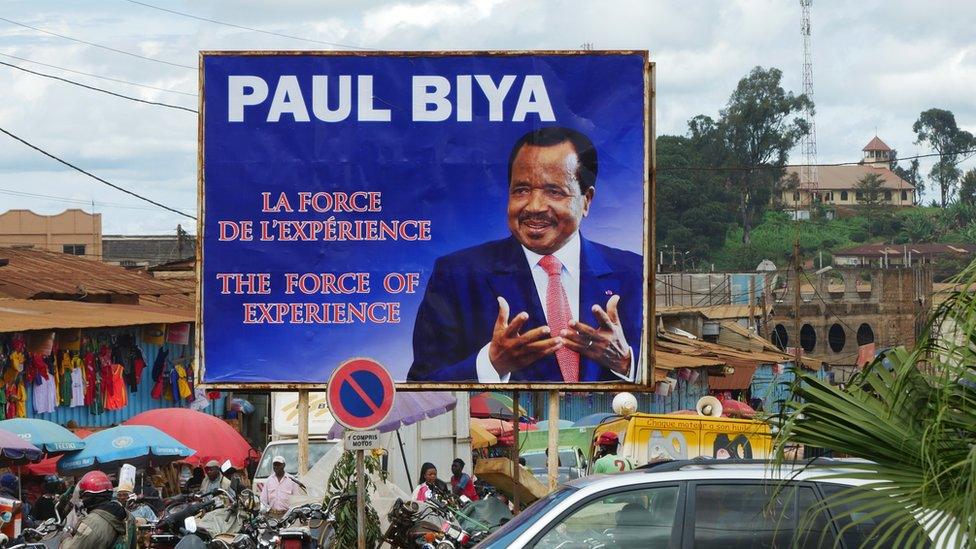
681 470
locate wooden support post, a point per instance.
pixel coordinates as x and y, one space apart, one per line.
552 463
752 303
515 449
302 432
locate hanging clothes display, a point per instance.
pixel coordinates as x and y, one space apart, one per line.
182 386
45 395
77 382
116 395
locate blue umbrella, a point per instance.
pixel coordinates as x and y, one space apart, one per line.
138 445
592 419
543 425
46 435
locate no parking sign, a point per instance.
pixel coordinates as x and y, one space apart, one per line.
360 394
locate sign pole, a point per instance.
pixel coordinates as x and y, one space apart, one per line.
360 502
302 432
552 461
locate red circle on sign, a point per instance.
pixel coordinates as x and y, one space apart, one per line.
379 405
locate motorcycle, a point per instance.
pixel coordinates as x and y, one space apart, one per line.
33 538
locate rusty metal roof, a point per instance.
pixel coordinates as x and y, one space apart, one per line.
713 312
39 274
47 314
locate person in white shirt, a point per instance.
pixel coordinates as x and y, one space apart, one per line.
278 489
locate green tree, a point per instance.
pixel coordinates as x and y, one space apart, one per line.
938 129
869 195
342 482
967 188
911 417
917 227
754 133
694 210
911 175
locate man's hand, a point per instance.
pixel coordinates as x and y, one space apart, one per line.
509 350
606 344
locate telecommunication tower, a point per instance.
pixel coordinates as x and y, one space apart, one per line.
808 175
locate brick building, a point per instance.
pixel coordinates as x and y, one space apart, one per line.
845 311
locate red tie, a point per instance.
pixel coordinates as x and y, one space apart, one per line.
559 315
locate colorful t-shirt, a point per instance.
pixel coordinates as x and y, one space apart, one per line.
612 463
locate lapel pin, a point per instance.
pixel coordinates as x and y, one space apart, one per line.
609 292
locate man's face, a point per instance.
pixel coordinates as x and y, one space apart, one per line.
456 469
545 206
278 468
213 472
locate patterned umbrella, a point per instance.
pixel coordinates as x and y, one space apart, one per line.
16 451
210 436
494 405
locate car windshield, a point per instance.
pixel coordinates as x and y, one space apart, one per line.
513 528
289 451
567 458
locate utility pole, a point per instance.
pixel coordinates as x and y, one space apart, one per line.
798 270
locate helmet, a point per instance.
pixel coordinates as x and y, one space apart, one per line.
607 438
9 482
95 482
53 484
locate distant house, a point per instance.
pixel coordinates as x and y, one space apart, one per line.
73 231
837 185
140 251
900 255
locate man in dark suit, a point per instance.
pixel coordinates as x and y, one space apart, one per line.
579 302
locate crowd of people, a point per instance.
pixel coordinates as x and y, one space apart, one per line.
608 460
97 513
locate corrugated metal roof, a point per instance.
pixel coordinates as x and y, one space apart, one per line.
33 273
740 379
139 401
877 250
714 312
18 315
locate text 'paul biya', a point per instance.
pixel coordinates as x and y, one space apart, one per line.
433 98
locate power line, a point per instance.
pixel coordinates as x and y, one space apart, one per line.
79 201
95 45
93 88
95 177
109 78
768 167
252 29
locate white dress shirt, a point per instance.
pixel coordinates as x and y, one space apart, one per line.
569 256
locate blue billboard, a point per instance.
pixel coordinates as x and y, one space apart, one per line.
464 217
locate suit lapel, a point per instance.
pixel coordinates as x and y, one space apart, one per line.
511 278
597 285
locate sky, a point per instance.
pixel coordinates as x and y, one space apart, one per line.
877 65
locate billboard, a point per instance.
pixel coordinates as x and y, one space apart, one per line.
461 218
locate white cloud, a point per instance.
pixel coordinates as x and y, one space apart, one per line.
877 64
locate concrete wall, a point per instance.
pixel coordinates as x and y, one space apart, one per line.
52 232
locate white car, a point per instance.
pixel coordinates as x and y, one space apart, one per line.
692 504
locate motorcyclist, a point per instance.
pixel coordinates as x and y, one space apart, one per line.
107 524
214 479
45 507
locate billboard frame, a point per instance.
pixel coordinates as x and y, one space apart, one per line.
646 381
